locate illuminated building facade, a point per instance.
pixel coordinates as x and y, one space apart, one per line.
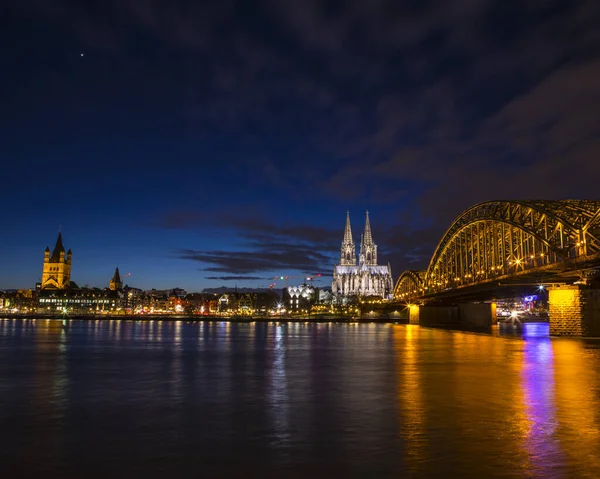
296 298
78 301
366 278
56 272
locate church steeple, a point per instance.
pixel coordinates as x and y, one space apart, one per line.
368 249
348 253
58 249
116 283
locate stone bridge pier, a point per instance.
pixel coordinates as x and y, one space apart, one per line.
574 310
466 315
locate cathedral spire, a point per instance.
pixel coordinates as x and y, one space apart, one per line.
368 238
368 249
348 230
348 252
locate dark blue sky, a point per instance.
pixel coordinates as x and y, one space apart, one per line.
196 144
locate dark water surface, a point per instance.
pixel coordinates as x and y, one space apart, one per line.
158 399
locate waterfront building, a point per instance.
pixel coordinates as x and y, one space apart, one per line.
367 278
325 296
56 271
297 298
78 301
17 301
4 301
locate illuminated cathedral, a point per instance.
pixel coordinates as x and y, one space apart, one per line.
366 278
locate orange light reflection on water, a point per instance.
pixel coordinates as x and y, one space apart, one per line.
480 403
578 403
410 396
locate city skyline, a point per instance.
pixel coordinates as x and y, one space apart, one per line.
276 279
201 145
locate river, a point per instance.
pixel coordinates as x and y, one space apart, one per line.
286 400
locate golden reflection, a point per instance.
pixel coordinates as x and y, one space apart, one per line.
488 399
410 395
117 329
177 336
577 398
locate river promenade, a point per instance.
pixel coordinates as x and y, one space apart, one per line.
197 317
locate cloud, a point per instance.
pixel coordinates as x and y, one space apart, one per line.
267 257
303 250
517 119
427 106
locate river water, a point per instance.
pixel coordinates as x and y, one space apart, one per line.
287 400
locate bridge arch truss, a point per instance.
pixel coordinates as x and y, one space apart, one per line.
499 238
410 283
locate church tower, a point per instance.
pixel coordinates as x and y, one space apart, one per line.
116 283
368 249
56 272
348 253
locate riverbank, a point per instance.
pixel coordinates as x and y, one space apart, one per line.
198 318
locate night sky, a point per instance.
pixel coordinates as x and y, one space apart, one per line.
200 144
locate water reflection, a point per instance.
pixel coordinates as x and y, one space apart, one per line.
537 380
50 389
577 370
410 395
296 400
277 392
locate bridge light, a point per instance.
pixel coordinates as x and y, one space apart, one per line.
532 256
518 261
541 287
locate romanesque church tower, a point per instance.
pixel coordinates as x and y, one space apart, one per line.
56 273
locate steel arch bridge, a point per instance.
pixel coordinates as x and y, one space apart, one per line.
500 240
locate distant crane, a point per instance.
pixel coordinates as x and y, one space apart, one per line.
310 279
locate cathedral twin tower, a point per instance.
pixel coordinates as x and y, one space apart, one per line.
366 278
